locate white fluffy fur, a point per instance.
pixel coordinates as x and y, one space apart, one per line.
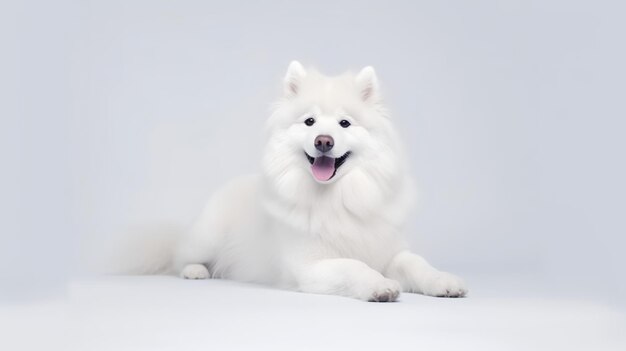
341 237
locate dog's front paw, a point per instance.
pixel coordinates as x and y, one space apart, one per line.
386 290
443 284
195 271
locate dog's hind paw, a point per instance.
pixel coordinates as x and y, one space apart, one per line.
195 271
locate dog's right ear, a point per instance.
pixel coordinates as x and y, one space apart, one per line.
293 78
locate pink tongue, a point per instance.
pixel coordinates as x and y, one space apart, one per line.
323 168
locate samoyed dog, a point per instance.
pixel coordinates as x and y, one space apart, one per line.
326 214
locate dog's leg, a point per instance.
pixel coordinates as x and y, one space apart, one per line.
417 276
192 256
347 277
191 259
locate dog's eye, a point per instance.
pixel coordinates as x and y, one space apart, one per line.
309 121
344 123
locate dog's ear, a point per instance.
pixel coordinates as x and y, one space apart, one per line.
293 78
367 83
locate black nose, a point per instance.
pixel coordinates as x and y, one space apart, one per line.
324 143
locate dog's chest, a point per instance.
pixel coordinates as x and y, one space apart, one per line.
372 239
327 226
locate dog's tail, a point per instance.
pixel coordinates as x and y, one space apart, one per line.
143 250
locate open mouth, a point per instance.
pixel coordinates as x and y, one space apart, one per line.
325 167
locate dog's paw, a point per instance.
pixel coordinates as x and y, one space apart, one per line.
195 271
443 284
386 290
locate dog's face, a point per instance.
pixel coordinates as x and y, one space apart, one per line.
328 129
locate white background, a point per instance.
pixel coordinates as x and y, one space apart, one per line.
116 113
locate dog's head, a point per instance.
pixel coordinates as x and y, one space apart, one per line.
327 130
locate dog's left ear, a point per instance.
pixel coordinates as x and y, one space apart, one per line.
367 83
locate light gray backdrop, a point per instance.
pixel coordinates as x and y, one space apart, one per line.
124 112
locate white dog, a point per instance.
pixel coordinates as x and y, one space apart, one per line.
326 214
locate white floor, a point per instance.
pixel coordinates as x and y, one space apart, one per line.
167 313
